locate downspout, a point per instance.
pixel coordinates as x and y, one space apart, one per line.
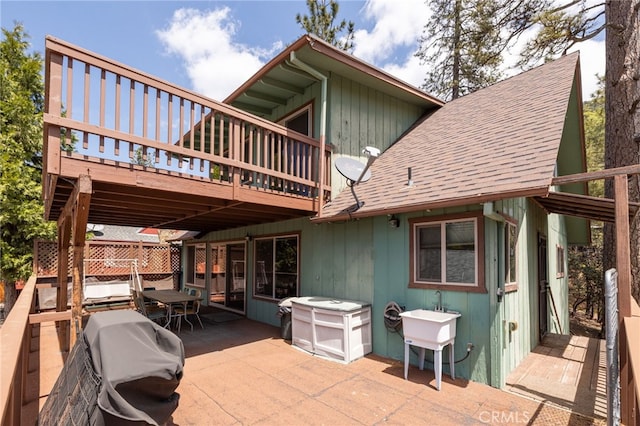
323 123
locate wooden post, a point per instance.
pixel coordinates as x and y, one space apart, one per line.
77 207
77 296
623 266
64 235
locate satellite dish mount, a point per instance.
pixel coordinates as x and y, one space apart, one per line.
356 172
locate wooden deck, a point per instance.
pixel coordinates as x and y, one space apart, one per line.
566 371
226 359
154 154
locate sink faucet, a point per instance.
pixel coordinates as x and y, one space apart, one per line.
439 305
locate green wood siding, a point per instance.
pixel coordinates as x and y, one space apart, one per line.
521 307
361 116
369 261
571 159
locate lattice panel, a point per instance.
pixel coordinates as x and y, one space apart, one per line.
46 258
108 259
175 258
201 260
155 258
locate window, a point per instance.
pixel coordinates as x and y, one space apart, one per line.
276 267
300 121
559 261
295 154
510 255
447 252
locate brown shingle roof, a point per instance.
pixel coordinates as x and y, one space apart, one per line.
499 142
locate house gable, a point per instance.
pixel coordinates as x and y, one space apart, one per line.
499 142
572 160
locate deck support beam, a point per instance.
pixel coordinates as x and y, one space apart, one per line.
75 213
64 236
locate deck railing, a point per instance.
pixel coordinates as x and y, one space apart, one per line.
101 111
16 338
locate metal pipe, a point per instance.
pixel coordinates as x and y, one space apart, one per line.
611 328
323 122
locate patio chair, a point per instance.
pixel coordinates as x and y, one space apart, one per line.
153 312
191 308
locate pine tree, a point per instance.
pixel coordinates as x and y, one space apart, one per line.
320 21
22 211
559 28
622 129
464 40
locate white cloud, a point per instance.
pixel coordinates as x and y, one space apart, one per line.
204 40
397 24
409 71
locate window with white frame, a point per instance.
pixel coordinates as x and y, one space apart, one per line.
447 252
276 267
510 256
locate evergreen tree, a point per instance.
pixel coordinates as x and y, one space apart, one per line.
464 40
320 21
22 211
560 28
622 129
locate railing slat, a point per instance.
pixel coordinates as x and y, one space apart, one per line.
169 126
145 110
116 145
69 99
132 104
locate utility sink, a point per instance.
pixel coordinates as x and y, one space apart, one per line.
433 328
429 330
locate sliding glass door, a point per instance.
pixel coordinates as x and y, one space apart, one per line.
227 283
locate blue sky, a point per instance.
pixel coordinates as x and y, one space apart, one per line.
214 46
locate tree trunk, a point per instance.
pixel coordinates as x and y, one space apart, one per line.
10 296
622 128
457 50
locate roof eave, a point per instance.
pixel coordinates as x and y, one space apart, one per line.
541 191
341 56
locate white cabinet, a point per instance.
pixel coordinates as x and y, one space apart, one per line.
336 329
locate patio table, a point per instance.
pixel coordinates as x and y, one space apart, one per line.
170 298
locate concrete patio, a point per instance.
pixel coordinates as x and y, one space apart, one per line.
238 371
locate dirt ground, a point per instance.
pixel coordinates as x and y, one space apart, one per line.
583 326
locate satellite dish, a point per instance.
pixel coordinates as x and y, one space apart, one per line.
94 228
352 169
356 172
